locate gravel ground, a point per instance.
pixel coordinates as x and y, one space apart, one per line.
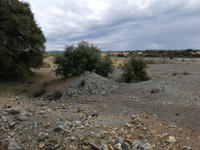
162 114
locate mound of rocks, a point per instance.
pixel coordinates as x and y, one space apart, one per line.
90 83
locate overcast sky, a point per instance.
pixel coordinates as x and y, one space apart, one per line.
120 24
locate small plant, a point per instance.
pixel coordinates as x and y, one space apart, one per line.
44 84
150 62
57 94
185 73
134 70
174 73
39 93
82 83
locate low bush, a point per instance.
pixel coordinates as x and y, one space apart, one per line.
57 94
134 70
39 92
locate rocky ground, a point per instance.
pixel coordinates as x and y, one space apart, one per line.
95 113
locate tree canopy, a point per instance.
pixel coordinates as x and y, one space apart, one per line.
21 40
84 57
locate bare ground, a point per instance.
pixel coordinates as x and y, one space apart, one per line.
168 105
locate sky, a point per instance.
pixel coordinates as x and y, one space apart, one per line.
118 25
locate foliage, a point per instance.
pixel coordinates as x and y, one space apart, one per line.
134 70
120 55
105 66
187 53
39 92
84 57
174 73
150 62
21 40
57 94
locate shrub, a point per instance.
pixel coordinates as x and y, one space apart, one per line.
134 70
120 55
105 66
39 92
174 73
57 95
84 57
150 62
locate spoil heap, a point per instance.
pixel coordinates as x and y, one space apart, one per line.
90 83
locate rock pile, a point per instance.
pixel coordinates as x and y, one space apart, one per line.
90 83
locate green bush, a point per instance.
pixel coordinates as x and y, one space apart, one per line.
134 70
57 95
84 57
39 92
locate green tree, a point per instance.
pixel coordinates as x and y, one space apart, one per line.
21 40
84 57
134 70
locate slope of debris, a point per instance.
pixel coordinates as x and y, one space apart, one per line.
90 83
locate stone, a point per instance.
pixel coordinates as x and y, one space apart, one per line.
94 146
140 136
110 147
72 138
12 124
155 90
41 145
135 116
43 136
54 139
147 146
186 148
118 146
14 111
137 144
59 128
67 123
13 145
171 140
128 125
17 97
126 146
78 123
128 136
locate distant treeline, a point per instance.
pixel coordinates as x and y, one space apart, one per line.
187 53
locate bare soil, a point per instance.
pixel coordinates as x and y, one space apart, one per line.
168 105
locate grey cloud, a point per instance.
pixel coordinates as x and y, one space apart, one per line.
121 25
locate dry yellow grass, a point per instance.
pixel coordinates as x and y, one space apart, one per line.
49 62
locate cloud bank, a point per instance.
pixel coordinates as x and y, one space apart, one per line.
120 25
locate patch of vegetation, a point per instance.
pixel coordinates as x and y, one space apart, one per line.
39 92
185 73
82 83
120 55
174 73
187 53
134 70
57 94
84 57
150 62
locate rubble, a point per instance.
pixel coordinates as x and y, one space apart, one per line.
90 83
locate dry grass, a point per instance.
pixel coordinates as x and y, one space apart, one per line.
48 62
